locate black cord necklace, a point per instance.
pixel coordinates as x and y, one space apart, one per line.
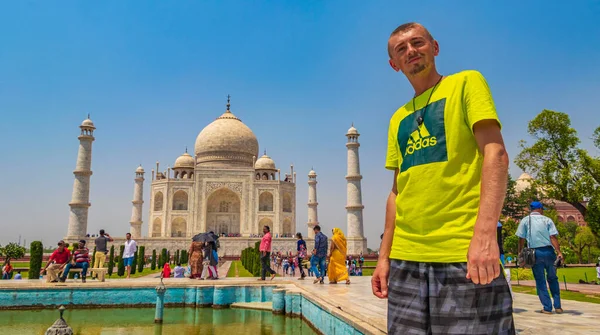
420 118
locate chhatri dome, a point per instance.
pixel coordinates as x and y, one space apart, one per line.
265 163
140 169
184 161
523 182
225 142
352 130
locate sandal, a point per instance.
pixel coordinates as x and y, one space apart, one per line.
348 282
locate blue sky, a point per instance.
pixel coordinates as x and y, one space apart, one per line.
153 74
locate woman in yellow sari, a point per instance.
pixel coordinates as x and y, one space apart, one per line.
336 271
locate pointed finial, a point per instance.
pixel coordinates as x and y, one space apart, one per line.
62 310
352 124
88 115
186 149
265 152
228 102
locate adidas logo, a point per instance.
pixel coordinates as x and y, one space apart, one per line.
419 139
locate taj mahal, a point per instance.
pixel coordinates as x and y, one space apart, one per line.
226 188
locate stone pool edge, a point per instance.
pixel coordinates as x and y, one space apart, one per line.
290 288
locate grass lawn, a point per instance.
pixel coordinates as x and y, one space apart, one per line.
564 295
146 272
241 270
572 275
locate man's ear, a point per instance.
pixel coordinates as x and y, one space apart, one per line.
393 65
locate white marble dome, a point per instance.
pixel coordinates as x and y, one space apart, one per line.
87 123
352 131
140 169
265 163
184 161
226 142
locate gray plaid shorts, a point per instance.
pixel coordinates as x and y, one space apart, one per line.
437 298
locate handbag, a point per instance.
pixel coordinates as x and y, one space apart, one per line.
527 256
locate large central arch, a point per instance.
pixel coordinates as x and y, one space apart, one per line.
223 209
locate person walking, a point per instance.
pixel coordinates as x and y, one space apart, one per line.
196 259
337 270
129 253
450 173
101 251
57 262
320 253
541 234
265 254
301 248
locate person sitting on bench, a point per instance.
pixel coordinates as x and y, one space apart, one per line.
80 260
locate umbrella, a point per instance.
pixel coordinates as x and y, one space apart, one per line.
203 237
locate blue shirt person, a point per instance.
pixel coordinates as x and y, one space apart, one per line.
320 253
541 235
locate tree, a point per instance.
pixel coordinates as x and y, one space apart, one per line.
562 170
511 244
583 240
177 257
184 257
153 266
35 261
111 260
141 258
121 265
13 251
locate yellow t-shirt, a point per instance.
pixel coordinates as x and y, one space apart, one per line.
439 169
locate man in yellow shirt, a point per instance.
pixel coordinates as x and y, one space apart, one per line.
439 261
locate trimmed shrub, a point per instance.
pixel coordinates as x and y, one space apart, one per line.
121 267
35 262
111 260
153 265
164 257
134 262
141 258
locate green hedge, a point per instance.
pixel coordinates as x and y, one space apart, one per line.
35 261
164 258
111 260
141 258
184 257
153 265
121 267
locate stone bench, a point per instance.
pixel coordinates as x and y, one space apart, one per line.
101 272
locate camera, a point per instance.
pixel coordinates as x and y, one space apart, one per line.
558 262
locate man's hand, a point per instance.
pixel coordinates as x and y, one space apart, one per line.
379 282
483 259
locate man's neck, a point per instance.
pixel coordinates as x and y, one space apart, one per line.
422 83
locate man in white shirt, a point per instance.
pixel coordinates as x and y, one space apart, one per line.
128 253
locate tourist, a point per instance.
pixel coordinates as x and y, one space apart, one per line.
301 248
18 275
179 271
7 269
101 251
57 262
540 233
286 265
166 271
337 270
500 241
265 254
320 252
598 273
450 173
128 253
80 260
196 259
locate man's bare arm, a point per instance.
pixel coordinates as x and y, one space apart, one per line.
483 257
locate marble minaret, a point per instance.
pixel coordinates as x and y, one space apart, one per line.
354 207
313 219
138 201
80 201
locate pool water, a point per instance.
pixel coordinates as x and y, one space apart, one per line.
177 320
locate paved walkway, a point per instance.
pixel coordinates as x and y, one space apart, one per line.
359 306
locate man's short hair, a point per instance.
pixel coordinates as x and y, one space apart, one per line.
268 228
317 227
406 27
82 241
128 234
101 231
